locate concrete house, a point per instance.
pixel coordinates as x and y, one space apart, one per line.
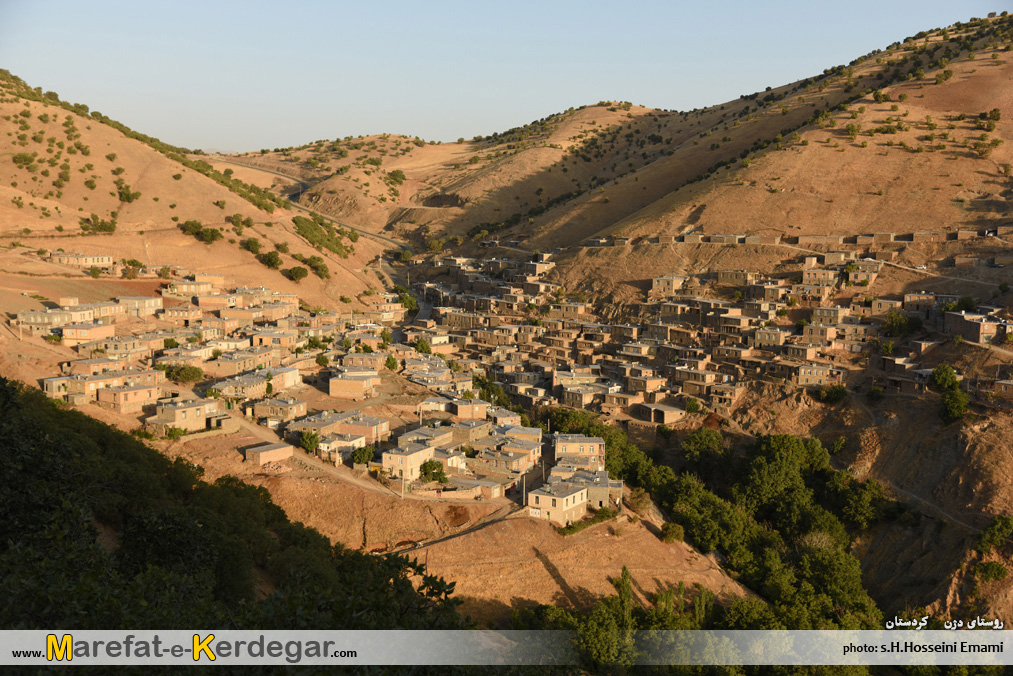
338 448
602 492
192 415
560 505
566 445
353 384
140 306
405 463
76 334
264 453
127 398
281 409
80 260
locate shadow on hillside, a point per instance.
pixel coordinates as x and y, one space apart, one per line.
492 613
574 597
591 171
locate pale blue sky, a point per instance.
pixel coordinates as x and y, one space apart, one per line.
253 74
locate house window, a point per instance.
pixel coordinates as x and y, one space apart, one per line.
553 502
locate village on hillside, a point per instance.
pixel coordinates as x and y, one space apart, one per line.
204 359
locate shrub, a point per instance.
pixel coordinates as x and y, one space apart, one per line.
988 571
309 441
639 500
185 374
599 516
832 394
364 455
271 259
996 534
322 360
174 433
944 377
692 405
672 532
955 403
321 234
432 470
95 272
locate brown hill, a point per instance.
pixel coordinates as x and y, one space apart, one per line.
779 158
64 171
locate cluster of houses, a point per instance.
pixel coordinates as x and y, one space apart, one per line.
503 317
249 343
877 239
504 320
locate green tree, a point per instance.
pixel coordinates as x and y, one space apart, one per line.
422 346
408 302
997 534
692 405
672 532
298 273
944 377
185 374
271 259
95 272
832 394
211 235
701 443
391 363
170 343
432 470
309 440
322 360
955 403
364 455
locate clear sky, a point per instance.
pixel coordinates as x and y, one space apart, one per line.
239 76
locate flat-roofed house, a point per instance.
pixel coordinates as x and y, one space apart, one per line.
282 409
140 306
565 445
561 504
127 398
268 452
75 334
80 260
405 463
354 385
191 415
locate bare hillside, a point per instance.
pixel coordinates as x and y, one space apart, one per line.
70 181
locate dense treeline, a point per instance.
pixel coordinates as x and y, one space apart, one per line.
779 514
323 235
174 550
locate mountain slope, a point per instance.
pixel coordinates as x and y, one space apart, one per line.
625 168
64 171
